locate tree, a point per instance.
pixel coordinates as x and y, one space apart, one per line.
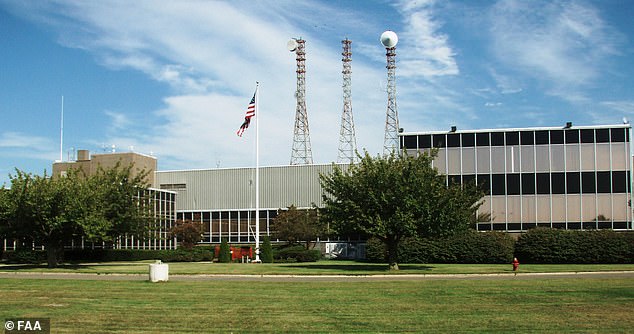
224 255
296 226
188 232
396 196
267 250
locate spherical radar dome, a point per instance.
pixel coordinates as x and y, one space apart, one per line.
389 39
292 45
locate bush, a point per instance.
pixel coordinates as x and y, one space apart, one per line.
266 252
197 254
296 254
25 256
543 245
467 247
224 256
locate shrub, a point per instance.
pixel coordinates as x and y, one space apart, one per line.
188 232
224 256
543 245
25 256
266 251
296 254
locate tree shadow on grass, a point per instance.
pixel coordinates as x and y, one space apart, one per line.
362 267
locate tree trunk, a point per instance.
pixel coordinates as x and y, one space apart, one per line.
52 255
392 255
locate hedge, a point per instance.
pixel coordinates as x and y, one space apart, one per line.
468 247
543 245
296 254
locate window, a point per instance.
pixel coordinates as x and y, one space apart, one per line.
588 182
543 183
572 136
409 142
528 184
424 141
526 138
453 140
512 138
497 139
468 139
482 139
604 184
513 184
617 135
541 137
603 135
484 182
439 140
573 183
619 182
558 183
498 184
587 136
557 136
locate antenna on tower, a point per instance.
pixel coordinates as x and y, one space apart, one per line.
302 152
390 142
61 133
347 140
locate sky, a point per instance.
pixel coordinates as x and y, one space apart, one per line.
172 79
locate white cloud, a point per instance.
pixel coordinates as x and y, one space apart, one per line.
428 52
564 44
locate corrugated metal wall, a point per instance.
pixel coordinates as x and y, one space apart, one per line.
233 188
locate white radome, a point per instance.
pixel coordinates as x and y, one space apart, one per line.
389 39
291 45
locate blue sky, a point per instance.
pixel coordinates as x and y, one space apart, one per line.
173 78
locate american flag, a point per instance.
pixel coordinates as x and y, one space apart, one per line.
247 117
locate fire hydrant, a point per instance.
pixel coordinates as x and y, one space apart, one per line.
516 265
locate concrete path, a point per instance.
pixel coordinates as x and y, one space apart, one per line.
319 278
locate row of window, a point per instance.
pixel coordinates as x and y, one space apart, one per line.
509 138
207 216
548 183
558 225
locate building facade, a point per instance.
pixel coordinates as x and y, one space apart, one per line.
560 177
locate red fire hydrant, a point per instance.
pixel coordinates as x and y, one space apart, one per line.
516 265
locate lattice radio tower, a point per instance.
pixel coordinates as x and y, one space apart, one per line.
391 142
302 153
347 140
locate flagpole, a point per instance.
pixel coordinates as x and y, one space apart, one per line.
257 173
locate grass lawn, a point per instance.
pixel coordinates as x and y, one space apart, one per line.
310 268
508 305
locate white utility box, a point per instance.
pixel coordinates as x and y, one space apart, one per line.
159 272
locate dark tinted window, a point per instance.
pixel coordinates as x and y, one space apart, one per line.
528 184
604 184
556 136
468 139
587 182
526 137
573 183
409 142
617 135
541 137
512 184
424 141
468 179
512 138
497 139
484 182
453 179
619 181
439 140
453 140
572 136
498 184
587 136
603 135
482 139
558 183
543 183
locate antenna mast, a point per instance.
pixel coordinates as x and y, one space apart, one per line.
61 134
347 140
390 142
302 152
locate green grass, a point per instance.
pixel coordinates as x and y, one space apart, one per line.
554 305
311 268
